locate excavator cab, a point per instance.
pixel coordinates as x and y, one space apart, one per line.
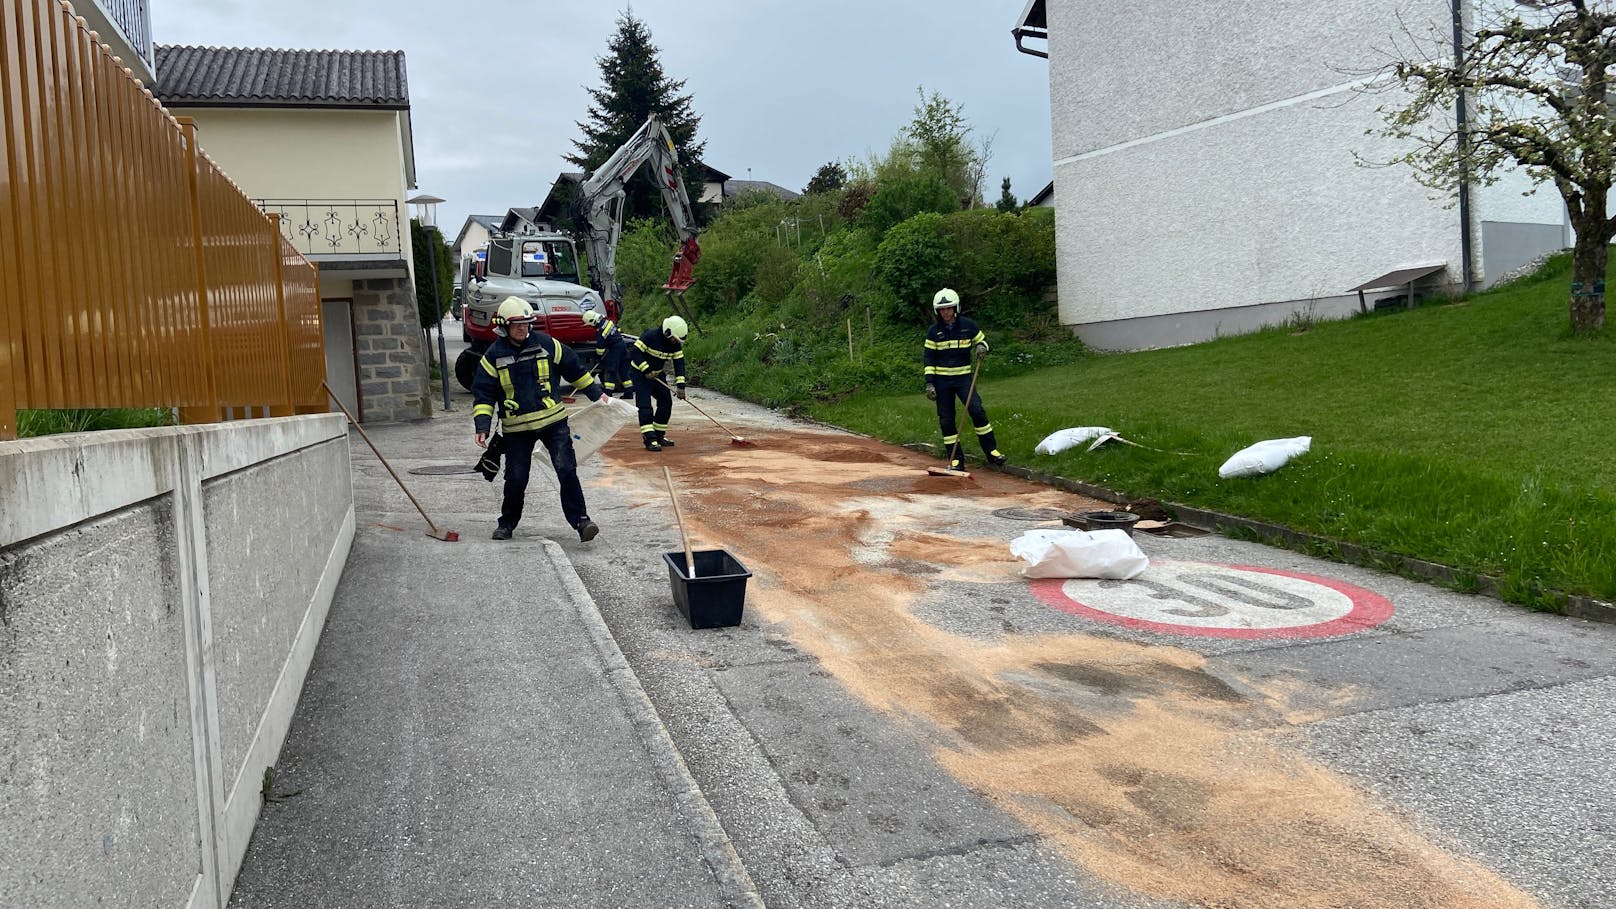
552 260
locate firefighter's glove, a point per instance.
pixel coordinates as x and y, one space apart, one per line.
680 391
931 392
488 464
982 349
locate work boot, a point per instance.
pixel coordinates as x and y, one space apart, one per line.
997 458
502 533
587 531
663 438
653 445
956 464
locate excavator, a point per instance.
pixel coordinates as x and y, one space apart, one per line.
600 210
541 267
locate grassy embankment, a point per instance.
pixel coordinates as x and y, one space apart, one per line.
1477 434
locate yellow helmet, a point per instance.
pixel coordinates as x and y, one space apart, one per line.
591 317
675 328
512 310
944 299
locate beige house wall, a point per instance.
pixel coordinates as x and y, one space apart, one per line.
310 154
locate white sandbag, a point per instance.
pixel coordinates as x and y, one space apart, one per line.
1110 554
592 425
1264 457
1062 439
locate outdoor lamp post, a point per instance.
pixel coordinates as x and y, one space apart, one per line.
426 211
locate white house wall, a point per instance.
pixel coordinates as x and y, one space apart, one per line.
1205 180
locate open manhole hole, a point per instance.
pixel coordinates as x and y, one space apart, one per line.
444 470
1030 514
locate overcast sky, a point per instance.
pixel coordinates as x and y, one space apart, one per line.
781 87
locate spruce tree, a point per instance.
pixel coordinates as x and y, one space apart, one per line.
1007 199
633 86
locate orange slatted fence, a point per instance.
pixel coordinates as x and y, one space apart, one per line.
133 273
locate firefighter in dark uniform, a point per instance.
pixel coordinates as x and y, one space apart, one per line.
952 343
612 349
517 379
647 360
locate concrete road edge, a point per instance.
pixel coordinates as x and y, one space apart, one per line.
717 851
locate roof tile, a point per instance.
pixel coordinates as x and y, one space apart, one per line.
271 77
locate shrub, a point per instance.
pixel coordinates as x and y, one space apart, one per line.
644 257
856 195
901 198
1003 263
913 261
776 274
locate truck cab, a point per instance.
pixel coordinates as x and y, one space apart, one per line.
541 268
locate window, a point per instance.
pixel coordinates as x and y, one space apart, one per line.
552 259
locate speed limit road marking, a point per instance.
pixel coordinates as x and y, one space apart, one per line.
1226 601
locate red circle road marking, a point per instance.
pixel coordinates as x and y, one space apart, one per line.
1367 610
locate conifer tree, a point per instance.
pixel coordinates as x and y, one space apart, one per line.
633 86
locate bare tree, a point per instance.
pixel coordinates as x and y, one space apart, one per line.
1530 80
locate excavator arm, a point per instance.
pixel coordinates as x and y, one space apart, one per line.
601 202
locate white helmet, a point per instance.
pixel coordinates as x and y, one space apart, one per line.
512 311
675 328
591 317
944 299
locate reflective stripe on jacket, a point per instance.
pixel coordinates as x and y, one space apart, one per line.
649 356
949 347
520 383
607 335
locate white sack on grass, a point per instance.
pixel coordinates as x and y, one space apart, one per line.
1110 554
1062 439
591 426
1264 457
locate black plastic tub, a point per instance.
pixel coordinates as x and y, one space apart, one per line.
715 596
1110 520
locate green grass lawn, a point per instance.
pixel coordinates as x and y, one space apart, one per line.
1477 434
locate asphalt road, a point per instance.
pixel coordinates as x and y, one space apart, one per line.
903 720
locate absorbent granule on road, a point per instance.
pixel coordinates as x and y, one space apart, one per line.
1142 767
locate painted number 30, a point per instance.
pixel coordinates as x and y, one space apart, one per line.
1198 598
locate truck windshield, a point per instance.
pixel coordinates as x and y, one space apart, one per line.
553 259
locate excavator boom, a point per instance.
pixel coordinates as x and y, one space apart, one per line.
601 198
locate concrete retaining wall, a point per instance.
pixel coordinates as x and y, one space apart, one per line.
161 594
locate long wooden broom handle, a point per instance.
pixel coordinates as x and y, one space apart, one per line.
693 404
679 516
362 435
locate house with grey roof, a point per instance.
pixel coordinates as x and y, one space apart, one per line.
322 140
734 187
473 234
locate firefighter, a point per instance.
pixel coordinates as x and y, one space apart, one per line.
612 349
517 379
647 361
952 344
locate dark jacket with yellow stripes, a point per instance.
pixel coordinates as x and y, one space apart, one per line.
608 335
650 353
949 348
520 382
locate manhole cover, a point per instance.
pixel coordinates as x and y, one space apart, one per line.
1030 514
443 470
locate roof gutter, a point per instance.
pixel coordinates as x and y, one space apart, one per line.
1032 23
1020 33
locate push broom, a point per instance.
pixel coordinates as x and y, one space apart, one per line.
733 438
433 530
958 447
